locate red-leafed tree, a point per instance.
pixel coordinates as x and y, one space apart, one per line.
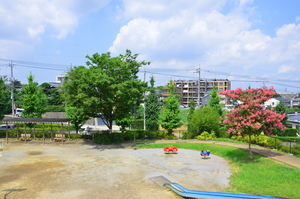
251 118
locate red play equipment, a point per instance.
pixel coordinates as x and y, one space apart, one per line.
169 148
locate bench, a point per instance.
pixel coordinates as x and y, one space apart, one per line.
59 137
23 137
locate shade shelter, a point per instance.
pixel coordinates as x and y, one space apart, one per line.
34 121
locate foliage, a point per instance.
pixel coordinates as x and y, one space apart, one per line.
125 122
263 176
55 108
183 115
191 112
2 97
152 108
204 119
34 101
250 118
207 136
76 115
53 94
170 118
187 135
277 95
160 88
107 88
295 109
105 137
282 109
214 101
290 132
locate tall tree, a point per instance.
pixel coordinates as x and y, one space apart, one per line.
107 88
250 118
191 112
214 101
152 107
34 101
282 109
170 118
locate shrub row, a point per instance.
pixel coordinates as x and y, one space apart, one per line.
262 140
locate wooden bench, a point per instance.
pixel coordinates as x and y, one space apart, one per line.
59 137
23 137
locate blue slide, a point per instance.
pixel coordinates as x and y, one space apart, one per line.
212 195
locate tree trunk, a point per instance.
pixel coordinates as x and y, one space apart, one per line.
110 127
250 146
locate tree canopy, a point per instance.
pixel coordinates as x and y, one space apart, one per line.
34 101
170 118
250 118
152 107
214 101
107 88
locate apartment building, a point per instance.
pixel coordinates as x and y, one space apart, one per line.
188 89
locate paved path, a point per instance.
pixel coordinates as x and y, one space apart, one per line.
282 157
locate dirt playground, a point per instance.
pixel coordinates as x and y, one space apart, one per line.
85 170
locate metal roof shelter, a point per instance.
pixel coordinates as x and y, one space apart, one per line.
34 121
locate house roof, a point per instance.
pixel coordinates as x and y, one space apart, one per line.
296 100
281 99
294 118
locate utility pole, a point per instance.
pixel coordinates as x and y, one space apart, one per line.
144 102
12 90
198 71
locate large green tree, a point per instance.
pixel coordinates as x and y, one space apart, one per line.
107 88
214 101
282 109
170 117
204 119
34 101
152 107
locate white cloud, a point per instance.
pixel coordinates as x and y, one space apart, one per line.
285 69
24 21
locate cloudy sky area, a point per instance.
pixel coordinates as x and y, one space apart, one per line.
245 41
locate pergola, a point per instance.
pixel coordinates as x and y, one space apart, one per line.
34 121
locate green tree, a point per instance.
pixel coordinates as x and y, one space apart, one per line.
191 112
170 118
3 97
214 101
34 101
152 108
277 95
204 119
75 114
107 88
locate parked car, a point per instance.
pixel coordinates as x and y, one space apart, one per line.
181 106
19 112
9 126
85 130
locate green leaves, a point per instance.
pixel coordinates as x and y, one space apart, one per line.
170 118
152 108
34 101
214 102
107 88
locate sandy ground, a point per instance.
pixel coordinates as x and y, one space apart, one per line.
85 170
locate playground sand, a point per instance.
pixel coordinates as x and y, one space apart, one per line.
92 171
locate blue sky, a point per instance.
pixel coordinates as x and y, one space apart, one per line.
245 41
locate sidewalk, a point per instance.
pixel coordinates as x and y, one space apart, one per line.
285 158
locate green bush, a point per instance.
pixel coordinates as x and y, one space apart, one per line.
150 134
187 135
290 132
240 138
141 134
206 136
129 135
170 137
160 134
104 137
55 108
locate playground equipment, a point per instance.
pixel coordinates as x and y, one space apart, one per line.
212 195
171 148
205 154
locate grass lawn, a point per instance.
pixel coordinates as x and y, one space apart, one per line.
261 175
